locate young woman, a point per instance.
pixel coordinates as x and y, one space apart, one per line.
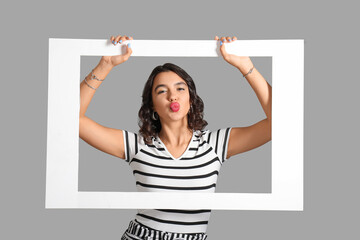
172 151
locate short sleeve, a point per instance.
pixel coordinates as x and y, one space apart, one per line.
219 140
132 141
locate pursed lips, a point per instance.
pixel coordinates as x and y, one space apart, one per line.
175 106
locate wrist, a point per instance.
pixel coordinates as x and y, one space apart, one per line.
105 63
245 69
245 66
102 69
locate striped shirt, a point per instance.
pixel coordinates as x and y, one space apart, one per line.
196 170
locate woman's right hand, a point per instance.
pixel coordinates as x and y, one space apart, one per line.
118 59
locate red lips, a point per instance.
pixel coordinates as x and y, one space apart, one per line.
175 106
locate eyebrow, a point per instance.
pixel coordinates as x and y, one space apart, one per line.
163 85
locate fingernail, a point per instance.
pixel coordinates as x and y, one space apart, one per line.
233 39
221 43
113 42
120 41
129 45
229 40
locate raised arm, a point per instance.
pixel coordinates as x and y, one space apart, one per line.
243 139
106 139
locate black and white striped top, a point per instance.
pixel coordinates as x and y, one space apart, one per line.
156 170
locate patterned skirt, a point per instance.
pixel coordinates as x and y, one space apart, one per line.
138 231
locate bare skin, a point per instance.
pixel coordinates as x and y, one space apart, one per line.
175 133
243 139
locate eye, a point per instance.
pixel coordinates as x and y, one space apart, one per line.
161 91
181 89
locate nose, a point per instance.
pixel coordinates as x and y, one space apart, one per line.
173 96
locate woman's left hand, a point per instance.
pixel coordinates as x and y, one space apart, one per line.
244 64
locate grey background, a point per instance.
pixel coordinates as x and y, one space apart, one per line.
331 109
229 101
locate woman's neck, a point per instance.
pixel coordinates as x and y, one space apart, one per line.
175 135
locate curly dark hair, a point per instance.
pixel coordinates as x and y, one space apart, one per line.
150 127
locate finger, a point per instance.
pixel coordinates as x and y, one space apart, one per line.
118 37
123 39
222 40
234 38
129 52
216 38
228 39
112 39
223 51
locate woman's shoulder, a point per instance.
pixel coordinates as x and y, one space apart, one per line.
210 131
134 137
199 133
208 134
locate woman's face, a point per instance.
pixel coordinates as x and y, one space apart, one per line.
168 88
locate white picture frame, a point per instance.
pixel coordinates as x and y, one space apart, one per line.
62 159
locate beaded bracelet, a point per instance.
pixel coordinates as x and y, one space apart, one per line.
249 72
